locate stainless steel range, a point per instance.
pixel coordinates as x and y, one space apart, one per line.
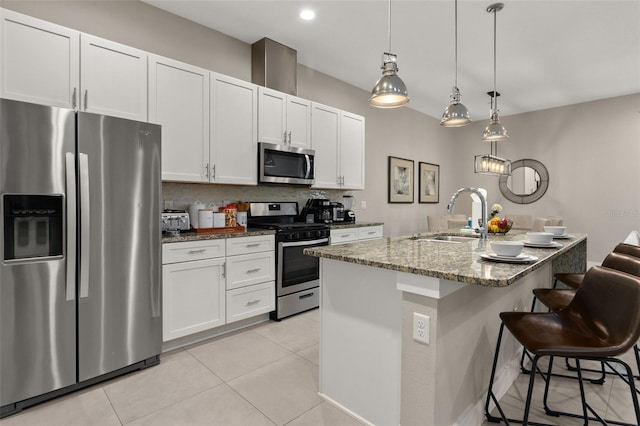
297 275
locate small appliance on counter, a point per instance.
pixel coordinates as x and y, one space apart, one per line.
320 209
349 215
337 211
174 221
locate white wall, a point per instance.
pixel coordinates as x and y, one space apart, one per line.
592 150
592 153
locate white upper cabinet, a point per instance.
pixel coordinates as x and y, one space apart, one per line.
39 61
114 79
325 138
179 101
283 119
234 122
352 150
338 140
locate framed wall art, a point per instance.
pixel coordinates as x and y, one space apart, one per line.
400 180
429 183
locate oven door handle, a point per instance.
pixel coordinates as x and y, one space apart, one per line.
306 243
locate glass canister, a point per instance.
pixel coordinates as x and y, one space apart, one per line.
230 214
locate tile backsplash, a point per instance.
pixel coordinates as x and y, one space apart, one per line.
183 194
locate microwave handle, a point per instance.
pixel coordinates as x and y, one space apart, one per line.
308 172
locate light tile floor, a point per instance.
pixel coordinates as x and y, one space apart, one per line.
264 375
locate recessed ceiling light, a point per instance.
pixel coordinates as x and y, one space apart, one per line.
307 14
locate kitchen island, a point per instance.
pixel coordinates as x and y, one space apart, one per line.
371 366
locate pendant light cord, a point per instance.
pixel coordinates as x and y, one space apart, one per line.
495 92
456 42
389 27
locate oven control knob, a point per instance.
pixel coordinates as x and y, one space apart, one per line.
290 236
318 233
307 234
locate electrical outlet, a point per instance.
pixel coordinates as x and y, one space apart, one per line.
363 205
421 325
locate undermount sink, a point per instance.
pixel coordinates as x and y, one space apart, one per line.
446 239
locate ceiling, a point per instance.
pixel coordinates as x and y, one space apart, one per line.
549 53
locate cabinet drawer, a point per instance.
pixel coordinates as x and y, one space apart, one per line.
192 250
369 233
246 245
247 269
341 236
250 301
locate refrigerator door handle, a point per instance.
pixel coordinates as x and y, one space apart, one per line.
85 239
71 226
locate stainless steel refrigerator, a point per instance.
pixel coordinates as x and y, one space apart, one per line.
80 254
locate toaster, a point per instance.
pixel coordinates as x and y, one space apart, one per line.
175 220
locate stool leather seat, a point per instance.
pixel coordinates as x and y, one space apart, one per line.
629 249
621 261
600 322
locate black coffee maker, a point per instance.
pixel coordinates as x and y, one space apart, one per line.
317 210
349 215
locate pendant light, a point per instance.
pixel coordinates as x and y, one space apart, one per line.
390 91
494 131
491 164
456 114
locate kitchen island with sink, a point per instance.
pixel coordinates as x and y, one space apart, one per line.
370 363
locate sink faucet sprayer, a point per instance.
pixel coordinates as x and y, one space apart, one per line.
483 200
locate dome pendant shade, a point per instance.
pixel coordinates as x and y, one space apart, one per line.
456 114
389 91
495 131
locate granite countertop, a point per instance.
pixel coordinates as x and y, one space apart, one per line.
194 236
345 225
452 261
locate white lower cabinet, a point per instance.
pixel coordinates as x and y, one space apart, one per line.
209 283
250 276
193 297
351 235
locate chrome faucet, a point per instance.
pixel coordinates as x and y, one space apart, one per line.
483 201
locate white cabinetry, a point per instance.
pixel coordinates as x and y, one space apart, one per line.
193 287
338 140
351 151
179 101
283 119
52 65
113 78
325 137
350 235
250 276
39 61
233 150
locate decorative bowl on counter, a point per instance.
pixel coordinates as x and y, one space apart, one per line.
497 225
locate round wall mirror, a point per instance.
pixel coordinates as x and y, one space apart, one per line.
527 183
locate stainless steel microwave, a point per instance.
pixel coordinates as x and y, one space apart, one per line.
285 164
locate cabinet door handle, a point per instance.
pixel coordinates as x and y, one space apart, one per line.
197 251
253 302
86 99
253 245
253 270
73 98
213 172
206 171
284 137
289 137
224 270
371 232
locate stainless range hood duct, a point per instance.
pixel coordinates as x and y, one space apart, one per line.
274 65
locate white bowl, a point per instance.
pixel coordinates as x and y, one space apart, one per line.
556 230
540 237
507 248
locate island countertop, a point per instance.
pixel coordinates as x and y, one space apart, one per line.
452 261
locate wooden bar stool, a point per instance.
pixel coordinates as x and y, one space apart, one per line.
601 322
